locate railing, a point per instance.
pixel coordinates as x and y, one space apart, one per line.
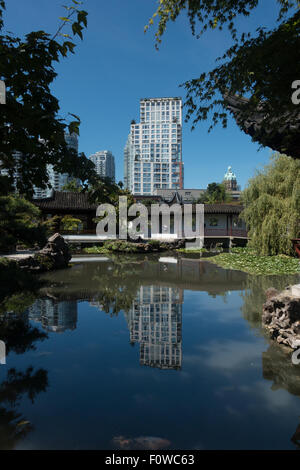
78 232
208 232
220 232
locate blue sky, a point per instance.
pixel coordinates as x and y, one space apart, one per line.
117 64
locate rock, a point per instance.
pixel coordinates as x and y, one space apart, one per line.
295 290
281 317
270 293
56 253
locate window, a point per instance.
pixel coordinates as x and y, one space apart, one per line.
237 223
213 222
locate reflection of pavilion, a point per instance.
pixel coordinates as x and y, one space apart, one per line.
54 316
155 321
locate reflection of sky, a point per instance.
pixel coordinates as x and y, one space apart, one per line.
99 394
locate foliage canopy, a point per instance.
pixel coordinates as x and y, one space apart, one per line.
272 206
262 66
215 193
19 223
32 133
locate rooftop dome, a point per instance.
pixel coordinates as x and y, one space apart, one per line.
229 175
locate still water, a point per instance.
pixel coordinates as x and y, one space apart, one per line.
146 352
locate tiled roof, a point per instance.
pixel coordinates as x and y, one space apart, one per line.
69 201
222 209
66 201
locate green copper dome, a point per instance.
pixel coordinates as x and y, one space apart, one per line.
229 175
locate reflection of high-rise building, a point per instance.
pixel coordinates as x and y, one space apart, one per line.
96 304
54 316
155 321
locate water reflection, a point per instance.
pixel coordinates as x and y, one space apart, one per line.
155 322
114 283
153 311
18 334
186 316
54 316
17 384
20 337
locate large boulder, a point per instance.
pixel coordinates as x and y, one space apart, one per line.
56 253
281 316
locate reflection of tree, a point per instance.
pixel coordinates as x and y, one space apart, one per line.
276 361
115 281
17 287
18 334
254 295
115 293
279 369
110 285
17 302
13 426
296 437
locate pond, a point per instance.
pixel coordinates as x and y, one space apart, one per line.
146 352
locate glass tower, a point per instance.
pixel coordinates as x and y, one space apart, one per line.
153 153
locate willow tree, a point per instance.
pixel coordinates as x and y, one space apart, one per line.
263 66
272 206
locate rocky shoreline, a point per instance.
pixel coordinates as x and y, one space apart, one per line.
54 255
281 316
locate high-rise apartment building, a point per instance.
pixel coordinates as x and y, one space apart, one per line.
105 164
128 164
57 181
153 153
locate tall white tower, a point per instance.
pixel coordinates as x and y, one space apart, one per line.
153 154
